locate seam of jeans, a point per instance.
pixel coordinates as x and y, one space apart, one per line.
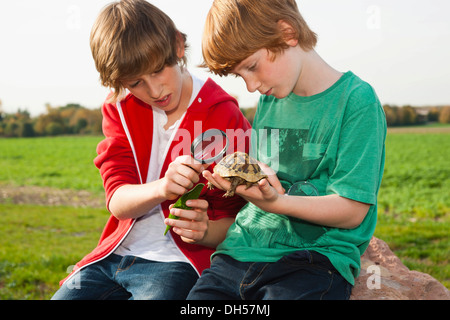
329 287
127 267
243 286
310 257
348 291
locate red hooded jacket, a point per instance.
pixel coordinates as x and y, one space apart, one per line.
132 120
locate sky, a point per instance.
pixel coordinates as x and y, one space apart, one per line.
402 48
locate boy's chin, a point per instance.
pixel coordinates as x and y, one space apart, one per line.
279 96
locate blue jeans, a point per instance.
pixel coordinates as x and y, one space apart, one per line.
129 277
301 275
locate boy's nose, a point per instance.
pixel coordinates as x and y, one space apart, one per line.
151 90
252 85
153 95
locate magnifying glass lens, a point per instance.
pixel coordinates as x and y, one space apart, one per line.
209 146
207 149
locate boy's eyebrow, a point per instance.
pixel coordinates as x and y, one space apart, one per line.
234 71
246 63
128 81
240 64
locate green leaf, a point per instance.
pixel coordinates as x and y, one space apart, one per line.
192 194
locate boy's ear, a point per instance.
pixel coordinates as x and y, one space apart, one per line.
289 35
180 46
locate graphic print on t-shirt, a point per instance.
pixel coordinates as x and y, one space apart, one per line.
297 156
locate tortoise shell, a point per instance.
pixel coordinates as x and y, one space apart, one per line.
239 168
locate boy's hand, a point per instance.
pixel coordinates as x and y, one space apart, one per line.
182 174
263 195
193 224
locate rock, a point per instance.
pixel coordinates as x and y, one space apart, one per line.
384 277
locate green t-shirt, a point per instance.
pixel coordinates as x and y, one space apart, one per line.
335 141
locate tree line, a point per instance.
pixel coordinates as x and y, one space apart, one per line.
69 119
408 115
398 115
76 119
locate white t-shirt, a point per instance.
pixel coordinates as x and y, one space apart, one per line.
146 239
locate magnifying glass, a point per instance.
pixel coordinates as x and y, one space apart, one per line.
209 146
303 188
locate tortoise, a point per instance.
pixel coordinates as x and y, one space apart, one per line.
240 169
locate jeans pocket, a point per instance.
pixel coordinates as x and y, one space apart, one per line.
126 263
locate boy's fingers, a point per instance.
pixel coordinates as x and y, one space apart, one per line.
192 163
276 184
210 177
189 173
197 204
221 182
189 236
207 175
272 178
198 214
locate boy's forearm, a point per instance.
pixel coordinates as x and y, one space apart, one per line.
216 233
331 210
133 201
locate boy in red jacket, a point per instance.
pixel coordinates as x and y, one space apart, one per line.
145 164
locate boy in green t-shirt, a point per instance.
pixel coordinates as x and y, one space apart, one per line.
322 132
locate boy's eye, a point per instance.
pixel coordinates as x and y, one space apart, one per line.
135 84
252 67
158 71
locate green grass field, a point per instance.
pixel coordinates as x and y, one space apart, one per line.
39 243
60 162
414 201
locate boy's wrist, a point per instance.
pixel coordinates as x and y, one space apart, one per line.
153 193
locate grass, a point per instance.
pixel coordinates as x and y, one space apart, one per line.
417 176
414 202
59 162
39 243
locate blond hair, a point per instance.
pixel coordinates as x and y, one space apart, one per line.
133 37
236 29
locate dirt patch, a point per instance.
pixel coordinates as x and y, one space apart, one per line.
50 197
